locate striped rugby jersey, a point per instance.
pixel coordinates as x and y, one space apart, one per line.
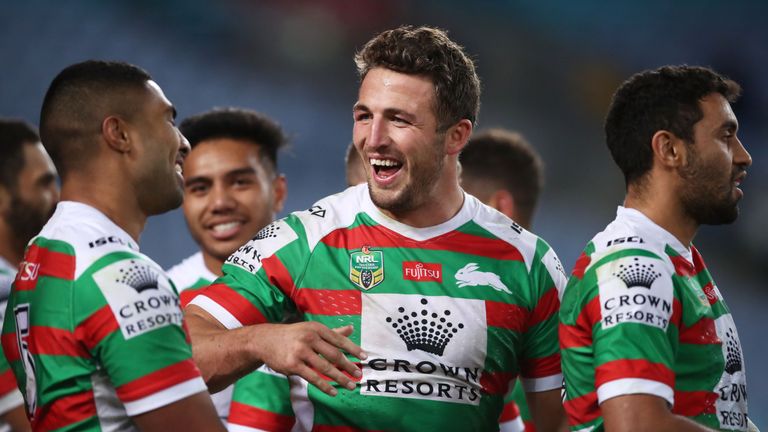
258 401
94 329
447 314
10 397
641 314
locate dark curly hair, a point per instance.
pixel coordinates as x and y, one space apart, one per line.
429 52
667 98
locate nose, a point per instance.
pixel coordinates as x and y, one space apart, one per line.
740 155
184 147
221 199
378 135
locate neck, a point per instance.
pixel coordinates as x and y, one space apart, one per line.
443 203
111 197
212 263
11 249
661 205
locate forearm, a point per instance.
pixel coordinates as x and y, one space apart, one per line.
222 355
643 412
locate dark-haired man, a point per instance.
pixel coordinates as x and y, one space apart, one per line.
504 171
28 194
232 189
354 171
94 330
437 300
648 342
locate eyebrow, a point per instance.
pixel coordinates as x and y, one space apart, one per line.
729 125
233 173
387 112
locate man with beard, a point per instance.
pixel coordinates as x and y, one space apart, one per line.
94 330
648 341
436 301
28 194
232 189
501 169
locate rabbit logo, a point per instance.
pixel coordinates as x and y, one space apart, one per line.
470 276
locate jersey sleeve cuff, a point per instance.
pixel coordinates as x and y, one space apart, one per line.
626 386
217 311
10 400
165 397
543 383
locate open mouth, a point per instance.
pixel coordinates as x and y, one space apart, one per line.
385 168
225 230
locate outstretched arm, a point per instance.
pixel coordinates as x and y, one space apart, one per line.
644 412
306 349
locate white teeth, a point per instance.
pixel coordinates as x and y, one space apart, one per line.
384 162
179 169
225 226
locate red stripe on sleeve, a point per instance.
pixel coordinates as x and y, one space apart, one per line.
96 327
329 302
64 411
10 347
701 333
581 265
253 417
7 382
39 261
278 275
510 412
158 380
187 295
496 383
234 303
582 409
505 315
695 403
54 341
540 366
547 306
454 241
580 334
677 313
626 368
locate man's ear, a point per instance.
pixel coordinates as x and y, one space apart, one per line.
668 150
114 130
279 193
503 201
457 136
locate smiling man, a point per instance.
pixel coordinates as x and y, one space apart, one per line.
418 298
648 341
232 189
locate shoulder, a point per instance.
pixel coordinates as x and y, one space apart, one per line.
189 271
621 242
331 213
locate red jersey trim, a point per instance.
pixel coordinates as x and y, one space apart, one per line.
234 303
626 368
38 262
541 366
278 275
496 383
505 315
547 306
329 302
694 403
251 416
64 411
53 341
7 382
10 347
96 327
158 380
582 409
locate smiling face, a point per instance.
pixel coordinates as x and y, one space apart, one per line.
229 195
396 133
716 165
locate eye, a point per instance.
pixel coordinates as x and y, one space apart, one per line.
197 189
400 121
362 116
243 181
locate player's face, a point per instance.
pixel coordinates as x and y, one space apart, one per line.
716 165
36 194
229 195
395 131
162 151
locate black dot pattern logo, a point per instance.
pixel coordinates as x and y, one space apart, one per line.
427 330
732 352
269 231
559 266
637 274
138 276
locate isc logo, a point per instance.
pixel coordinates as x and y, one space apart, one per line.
630 239
28 271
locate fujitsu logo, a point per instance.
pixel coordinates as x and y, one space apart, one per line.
422 272
28 271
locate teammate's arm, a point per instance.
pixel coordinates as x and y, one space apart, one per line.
195 412
16 418
644 412
547 410
306 349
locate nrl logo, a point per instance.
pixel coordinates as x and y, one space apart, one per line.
366 267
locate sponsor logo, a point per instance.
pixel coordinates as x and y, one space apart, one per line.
637 274
366 267
711 292
21 314
427 330
101 241
28 271
516 228
732 352
470 276
622 240
731 390
318 211
139 295
422 272
269 231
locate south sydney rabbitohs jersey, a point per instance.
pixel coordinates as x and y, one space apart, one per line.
642 314
260 400
10 397
447 314
94 329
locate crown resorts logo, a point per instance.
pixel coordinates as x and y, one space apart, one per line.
637 274
733 352
138 276
366 267
425 330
